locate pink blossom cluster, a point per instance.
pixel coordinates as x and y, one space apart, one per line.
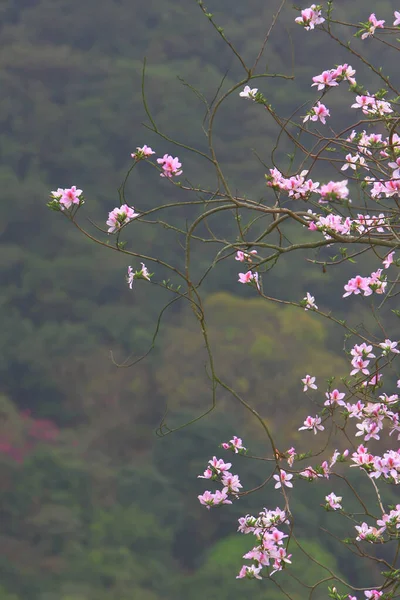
330 223
370 534
120 216
218 471
332 77
373 414
372 106
334 190
345 226
370 27
171 167
388 189
235 444
324 470
67 197
390 522
269 551
310 17
387 465
296 186
369 595
376 282
353 162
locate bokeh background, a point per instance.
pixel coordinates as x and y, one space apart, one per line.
95 506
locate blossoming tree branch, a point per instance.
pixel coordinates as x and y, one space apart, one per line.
341 192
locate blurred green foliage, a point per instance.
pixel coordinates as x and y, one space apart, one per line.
93 505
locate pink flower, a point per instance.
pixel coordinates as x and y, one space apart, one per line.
242 256
373 24
309 382
231 483
219 465
171 166
373 594
318 112
142 153
249 277
396 166
251 572
234 444
206 499
353 162
356 285
334 190
334 501
68 196
326 79
283 478
335 397
121 215
389 346
291 454
372 533
397 18
310 473
345 71
310 17
312 424
360 366
388 260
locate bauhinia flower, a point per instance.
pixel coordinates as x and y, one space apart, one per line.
283 478
310 302
389 346
388 260
333 501
242 256
121 215
318 112
67 197
249 93
209 499
312 424
171 167
142 274
234 444
310 17
249 277
372 24
309 383
142 153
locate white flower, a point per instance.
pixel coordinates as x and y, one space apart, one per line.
249 93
